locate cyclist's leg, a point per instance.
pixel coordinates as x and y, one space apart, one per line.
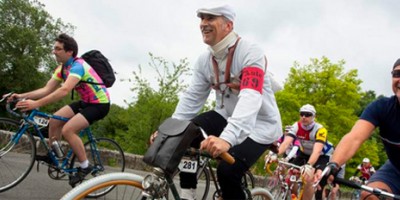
55 126
386 178
85 114
213 124
229 176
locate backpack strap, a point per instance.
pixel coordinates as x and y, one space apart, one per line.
227 80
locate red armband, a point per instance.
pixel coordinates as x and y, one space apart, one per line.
252 78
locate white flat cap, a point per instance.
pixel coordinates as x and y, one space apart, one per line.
225 10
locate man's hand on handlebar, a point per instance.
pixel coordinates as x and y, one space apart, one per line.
215 146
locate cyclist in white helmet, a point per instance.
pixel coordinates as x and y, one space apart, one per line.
315 148
366 170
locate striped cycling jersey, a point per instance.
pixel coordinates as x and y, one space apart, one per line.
88 92
308 138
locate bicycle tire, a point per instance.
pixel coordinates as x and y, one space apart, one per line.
205 174
126 186
16 159
261 194
249 180
111 153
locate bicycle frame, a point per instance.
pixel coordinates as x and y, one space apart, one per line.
28 121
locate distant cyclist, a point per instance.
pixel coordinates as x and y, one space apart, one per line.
366 170
315 148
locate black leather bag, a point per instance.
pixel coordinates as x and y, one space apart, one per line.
173 139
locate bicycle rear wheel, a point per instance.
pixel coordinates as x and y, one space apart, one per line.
126 186
248 180
16 159
109 157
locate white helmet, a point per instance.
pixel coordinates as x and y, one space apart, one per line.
365 160
308 108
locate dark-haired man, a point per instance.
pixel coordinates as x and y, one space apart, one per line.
94 101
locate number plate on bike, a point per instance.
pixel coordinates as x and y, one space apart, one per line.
188 165
41 121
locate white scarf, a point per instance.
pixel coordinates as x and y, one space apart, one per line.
308 127
220 50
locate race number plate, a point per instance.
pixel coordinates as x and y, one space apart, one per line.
293 178
41 121
187 165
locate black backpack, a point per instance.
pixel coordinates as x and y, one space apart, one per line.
101 65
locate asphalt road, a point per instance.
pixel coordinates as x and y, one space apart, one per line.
39 186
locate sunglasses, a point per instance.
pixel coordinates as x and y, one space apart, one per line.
396 73
305 114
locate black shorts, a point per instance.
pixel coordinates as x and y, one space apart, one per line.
91 111
302 159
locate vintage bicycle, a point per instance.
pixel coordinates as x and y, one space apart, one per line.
281 181
18 150
156 185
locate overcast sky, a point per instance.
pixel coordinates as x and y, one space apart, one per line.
364 33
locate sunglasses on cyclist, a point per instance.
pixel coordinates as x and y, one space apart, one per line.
305 114
396 73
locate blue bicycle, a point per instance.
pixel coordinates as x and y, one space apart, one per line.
18 141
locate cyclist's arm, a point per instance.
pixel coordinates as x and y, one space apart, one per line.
292 152
317 149
59 93
285 144
50 86
350 143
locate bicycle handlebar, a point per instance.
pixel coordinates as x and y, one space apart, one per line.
8 106
225 155
375 191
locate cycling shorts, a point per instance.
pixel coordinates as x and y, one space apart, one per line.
389 175
91 111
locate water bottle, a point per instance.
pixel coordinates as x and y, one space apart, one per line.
57 149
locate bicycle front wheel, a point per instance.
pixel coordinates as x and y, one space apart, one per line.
16 157
126 186
106 156
261 194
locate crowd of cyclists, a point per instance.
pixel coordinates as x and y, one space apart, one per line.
305 144
246 119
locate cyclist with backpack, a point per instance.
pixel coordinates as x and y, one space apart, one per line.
72 73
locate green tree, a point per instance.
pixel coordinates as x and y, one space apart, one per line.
336 95
152 106
26 39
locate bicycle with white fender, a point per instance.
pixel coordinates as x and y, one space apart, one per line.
156 185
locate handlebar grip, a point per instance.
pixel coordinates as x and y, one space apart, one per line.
227 158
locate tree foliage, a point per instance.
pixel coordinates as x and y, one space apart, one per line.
26 39
152 106
337 97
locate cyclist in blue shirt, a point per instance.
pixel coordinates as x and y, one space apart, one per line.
385 114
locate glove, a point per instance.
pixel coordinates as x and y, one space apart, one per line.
271 157
307 169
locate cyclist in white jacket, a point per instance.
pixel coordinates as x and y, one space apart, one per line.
246 119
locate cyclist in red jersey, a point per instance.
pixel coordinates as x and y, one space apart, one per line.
366 170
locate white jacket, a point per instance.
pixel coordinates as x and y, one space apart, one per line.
249 113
